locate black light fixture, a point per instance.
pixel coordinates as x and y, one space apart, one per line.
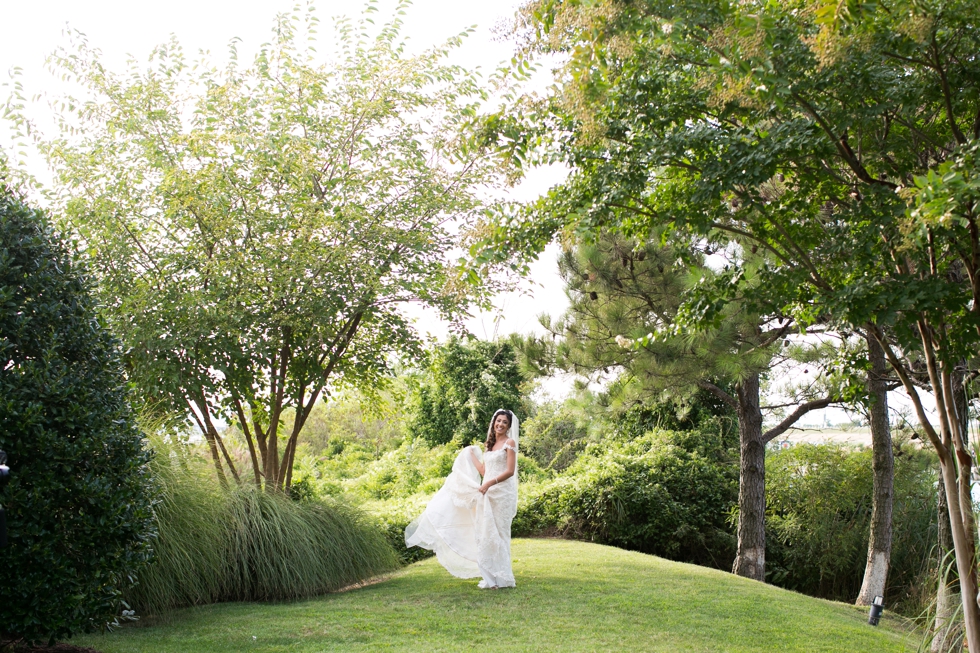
4 476
876 607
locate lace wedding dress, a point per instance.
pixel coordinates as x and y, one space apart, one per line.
468 531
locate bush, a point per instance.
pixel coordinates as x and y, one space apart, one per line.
410 469
463 385
666 493
79 502
818 517
395 515
552 437
246 545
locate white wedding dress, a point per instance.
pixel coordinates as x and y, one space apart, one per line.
468 531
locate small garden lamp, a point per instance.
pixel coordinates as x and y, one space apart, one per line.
876 607
4 475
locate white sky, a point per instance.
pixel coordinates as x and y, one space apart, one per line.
30 31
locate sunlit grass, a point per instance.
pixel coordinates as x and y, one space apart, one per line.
570 596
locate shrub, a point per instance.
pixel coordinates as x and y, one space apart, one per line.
463 384
79 503
395 515
245 544
818 517
666 493
412 468
552 437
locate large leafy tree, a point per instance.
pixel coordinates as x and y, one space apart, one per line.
839 137
78 505
256 229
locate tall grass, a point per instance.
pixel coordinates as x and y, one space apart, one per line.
243 544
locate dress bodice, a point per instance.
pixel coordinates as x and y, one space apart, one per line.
495 462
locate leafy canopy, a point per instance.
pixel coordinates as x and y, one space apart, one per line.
256 229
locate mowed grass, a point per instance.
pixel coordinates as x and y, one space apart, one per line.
571 596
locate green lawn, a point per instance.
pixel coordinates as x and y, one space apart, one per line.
570 596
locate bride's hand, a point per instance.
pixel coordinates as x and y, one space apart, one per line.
485 487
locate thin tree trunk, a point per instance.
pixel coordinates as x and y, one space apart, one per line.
200 407
948 599
883 470
253 457
945 631
964 549
272 462
750 560
955 464
958 481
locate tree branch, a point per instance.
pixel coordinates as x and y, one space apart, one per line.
794 417
912 393
718 392
840 143
947 93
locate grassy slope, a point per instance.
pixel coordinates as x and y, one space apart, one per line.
570 597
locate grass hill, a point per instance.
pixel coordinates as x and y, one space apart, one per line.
571 596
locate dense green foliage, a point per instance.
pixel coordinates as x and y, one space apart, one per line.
667 492
818 514
369 422
464 383
79 502
828 149
394 516
554 436
217 544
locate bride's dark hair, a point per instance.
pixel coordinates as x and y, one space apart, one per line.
491 435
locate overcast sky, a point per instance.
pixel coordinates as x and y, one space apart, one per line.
30 31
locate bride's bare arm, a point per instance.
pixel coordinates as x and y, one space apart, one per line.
476 462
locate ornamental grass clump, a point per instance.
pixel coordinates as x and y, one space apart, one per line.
245 544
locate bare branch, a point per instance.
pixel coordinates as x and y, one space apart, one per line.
793 417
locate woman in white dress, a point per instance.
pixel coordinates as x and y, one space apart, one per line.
467 523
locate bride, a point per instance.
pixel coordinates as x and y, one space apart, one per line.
467 523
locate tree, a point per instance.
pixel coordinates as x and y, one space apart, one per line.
883 475
624 309
462 386
255 230
79 502
839 137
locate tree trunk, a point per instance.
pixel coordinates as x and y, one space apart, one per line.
958 481
945 631
955 464
198 410
964 549
216 458
883 469
750 560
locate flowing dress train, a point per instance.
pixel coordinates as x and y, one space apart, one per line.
468 531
